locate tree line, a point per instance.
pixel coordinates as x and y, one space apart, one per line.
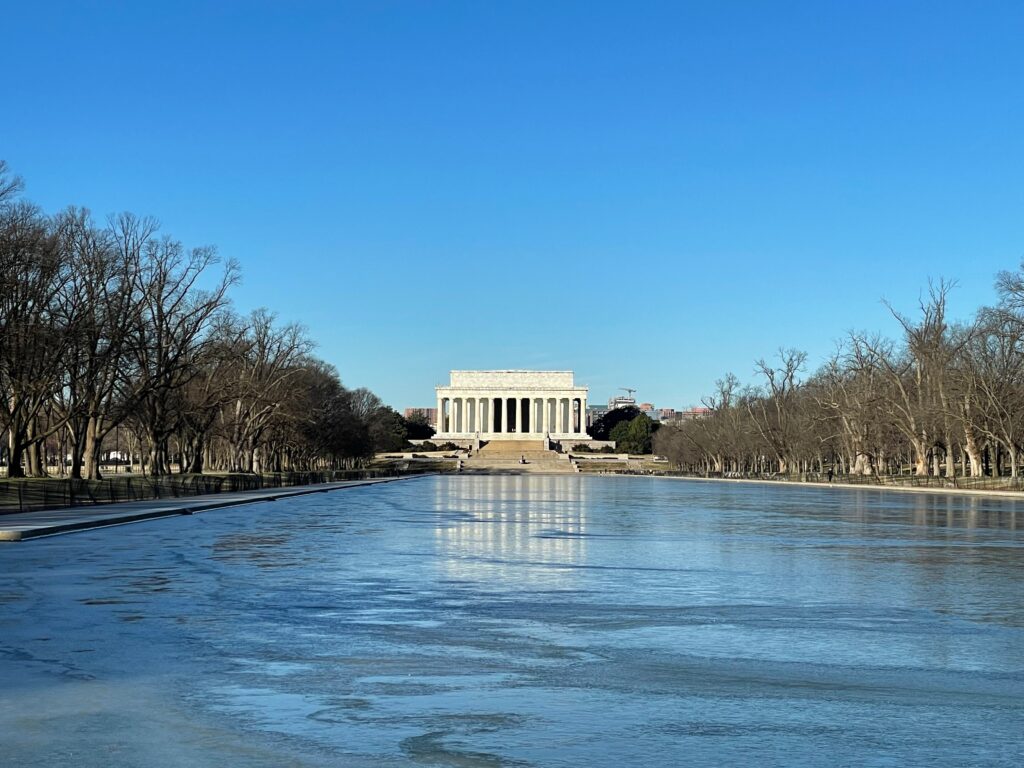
942 399
119 327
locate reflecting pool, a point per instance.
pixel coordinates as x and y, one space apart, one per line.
525 620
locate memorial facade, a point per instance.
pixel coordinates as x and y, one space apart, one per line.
511 405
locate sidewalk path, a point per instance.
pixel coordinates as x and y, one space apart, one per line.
29 525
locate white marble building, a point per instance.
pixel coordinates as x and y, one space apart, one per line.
511 405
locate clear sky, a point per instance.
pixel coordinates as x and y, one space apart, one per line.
649 194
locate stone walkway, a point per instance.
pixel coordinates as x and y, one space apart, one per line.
29 525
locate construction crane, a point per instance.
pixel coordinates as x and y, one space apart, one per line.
628 391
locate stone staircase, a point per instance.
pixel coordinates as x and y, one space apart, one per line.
504 457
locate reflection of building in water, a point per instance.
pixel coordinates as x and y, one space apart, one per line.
510 527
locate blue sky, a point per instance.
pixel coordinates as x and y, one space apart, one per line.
650 194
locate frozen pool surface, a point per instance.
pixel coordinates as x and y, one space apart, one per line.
547 621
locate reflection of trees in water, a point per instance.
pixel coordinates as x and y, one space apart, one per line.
956 554
925 510
508 527
965 512
940 511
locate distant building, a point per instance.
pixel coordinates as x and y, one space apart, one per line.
595 412
621 402
663 415
647 409
429 413
694 413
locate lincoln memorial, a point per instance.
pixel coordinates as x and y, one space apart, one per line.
497 405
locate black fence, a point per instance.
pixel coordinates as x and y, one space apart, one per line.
32 494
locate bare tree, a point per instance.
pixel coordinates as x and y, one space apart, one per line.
273 356
170 333
775 414
34 332
109 326
925 394
203 400
997 382
848 387
10 185
98 359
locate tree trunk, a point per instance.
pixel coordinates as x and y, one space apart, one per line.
91 449
198 455
862 464
158 464
35 463
76 434
920 457
16 449
972 452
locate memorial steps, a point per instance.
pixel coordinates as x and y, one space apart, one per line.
499 448
505 456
